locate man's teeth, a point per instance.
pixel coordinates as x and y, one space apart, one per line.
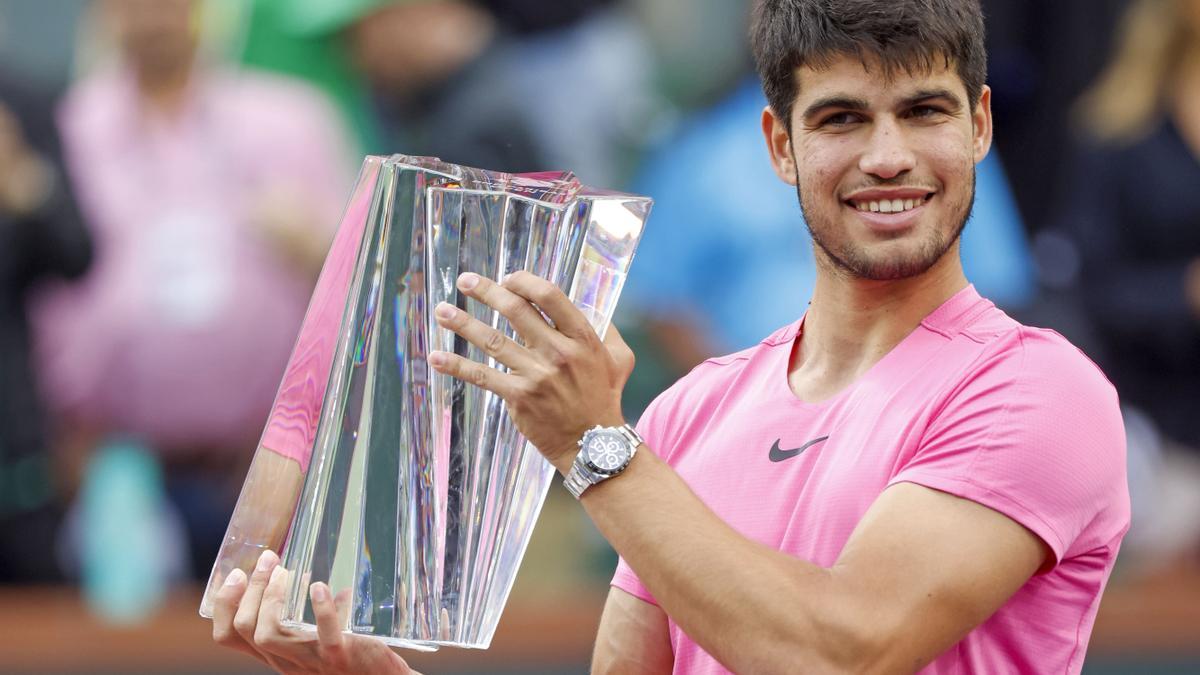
889 205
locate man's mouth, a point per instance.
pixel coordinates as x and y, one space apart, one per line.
889 205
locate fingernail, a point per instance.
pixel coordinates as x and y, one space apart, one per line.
468 280
267 560
444 311
437 358
320 593
236 578
274 573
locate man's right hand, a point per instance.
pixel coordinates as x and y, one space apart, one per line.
246 617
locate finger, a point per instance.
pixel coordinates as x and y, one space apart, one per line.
245 621
550 299
278 643
491 341
619 350
225 605
524 317
342 602
329 625
503 384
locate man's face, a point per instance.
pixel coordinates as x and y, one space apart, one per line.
884 168
157 36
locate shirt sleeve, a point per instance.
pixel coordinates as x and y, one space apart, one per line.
1034 433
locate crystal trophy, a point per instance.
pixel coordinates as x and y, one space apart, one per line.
410 493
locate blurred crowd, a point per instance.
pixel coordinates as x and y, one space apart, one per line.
171 172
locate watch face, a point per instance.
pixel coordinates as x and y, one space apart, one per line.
606 452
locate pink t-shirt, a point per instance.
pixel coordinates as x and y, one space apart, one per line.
181 329
970 403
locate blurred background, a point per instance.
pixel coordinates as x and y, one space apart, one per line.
171 172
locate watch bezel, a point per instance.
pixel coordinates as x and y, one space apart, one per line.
585 450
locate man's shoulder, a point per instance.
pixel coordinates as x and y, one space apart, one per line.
1029 352
1024 382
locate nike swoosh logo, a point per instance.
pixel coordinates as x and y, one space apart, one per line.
778 455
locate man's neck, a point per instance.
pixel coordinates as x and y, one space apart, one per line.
853 323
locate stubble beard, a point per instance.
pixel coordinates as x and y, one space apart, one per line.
856 263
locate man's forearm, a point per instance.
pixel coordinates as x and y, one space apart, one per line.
753 608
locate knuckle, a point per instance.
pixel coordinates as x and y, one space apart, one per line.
478 376
245 628
526 389
523 312
559 358
586 334
333 654
265 637
517 407
574 351
494 343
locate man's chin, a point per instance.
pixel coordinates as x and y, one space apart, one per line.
899 258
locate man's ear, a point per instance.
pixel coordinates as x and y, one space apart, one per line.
981 123
779 145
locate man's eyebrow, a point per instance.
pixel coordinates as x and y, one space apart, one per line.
835 101
928 94
842 102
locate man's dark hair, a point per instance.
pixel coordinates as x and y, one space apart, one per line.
901 35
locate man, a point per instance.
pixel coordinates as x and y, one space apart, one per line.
904 479
211 195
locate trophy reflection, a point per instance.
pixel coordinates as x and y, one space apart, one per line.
410 493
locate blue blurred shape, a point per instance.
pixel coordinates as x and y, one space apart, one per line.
125 567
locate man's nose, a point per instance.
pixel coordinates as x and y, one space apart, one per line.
888 153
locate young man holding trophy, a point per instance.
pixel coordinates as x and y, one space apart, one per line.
904 479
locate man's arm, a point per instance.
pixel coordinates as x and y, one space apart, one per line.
633 637
920 571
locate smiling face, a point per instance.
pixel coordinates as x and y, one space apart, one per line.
883 163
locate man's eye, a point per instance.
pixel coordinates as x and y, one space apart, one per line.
840 119
923 111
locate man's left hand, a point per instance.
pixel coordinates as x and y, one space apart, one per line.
560 380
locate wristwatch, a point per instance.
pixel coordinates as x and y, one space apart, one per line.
603 453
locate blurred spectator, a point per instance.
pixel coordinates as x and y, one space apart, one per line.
536 16
727 259
1133 209
487 84
1041 56
212 197
306 39
40 237
698 59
